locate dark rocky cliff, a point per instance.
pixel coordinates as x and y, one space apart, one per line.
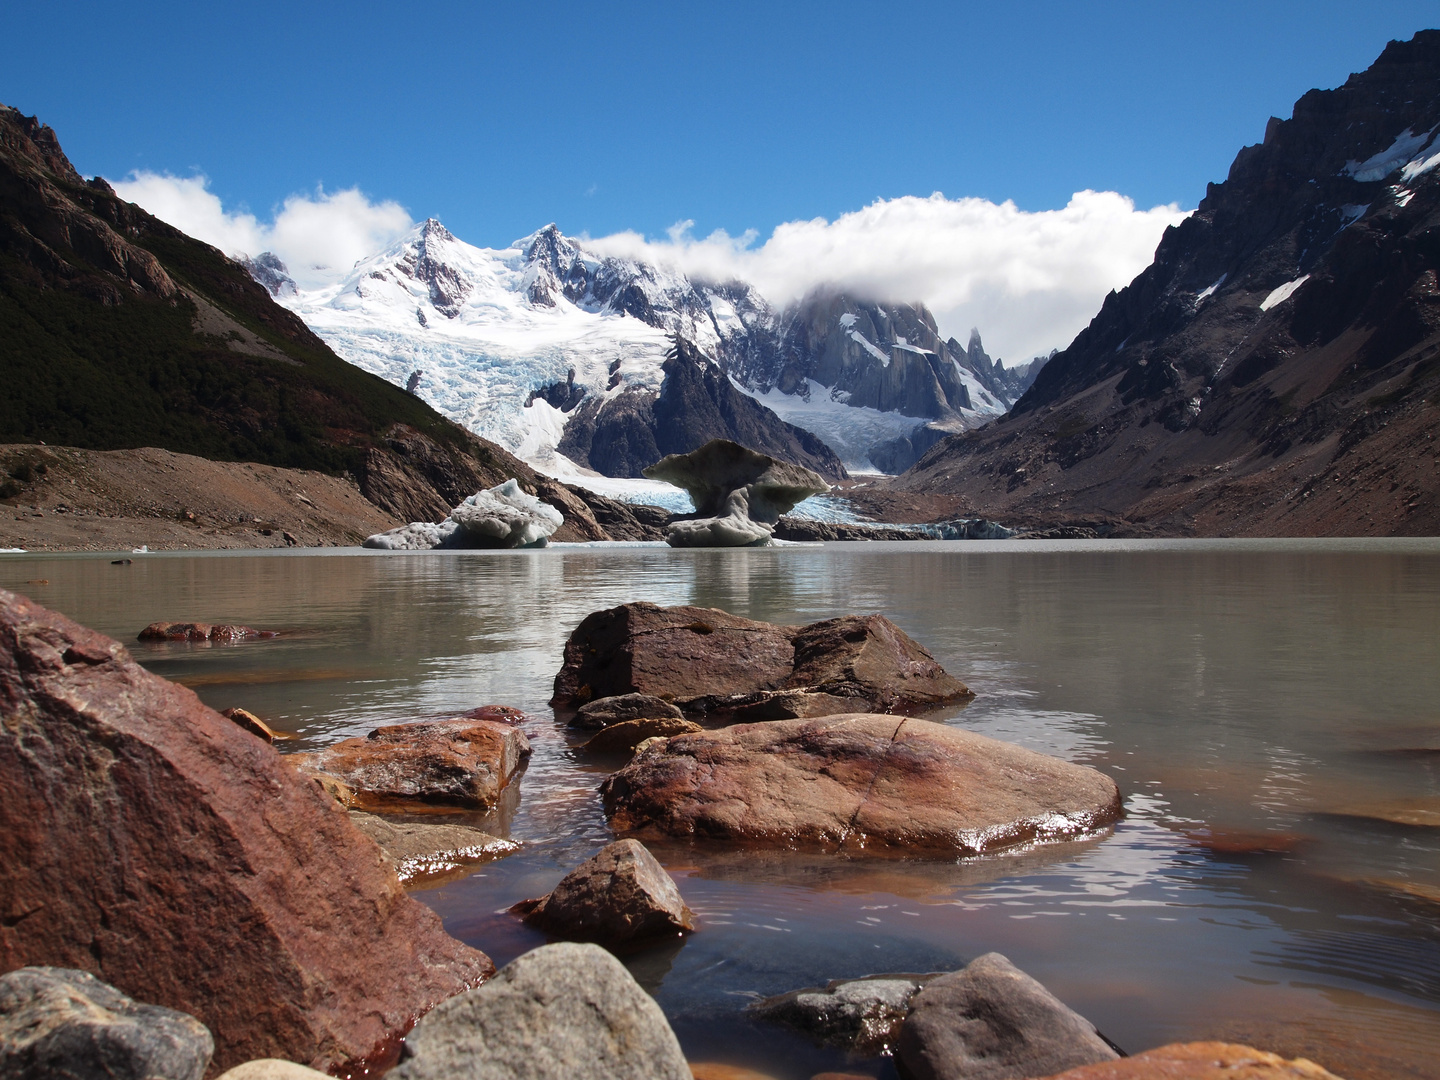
1276 369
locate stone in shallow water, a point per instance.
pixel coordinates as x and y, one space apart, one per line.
738 494
628 734
1201 1061
991 1021
560 1012
620 895
618 708
148 838
62 1024
427 850
857 782
271 1069
859 1015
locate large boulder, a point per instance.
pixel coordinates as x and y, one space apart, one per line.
708 661
1201 1061
560 1012
991 1021
462 763
152 842
61 1024
854 782
616 897
738 494
500 517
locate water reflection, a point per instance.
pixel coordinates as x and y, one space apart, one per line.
1255 702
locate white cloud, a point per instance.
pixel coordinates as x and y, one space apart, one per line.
319 237
1029 280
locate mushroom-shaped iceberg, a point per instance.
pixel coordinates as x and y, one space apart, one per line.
738 494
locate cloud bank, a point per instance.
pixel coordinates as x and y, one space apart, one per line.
1029 280
319 237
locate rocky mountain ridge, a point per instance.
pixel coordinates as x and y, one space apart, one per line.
1276 369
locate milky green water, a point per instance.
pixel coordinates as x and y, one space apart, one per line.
1284 696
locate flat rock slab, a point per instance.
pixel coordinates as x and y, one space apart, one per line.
618 896
151 841
708 661
991 1021
560 1012
857 782
58 1023
1201 1061
463 763
424 851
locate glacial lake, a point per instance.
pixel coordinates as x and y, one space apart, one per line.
1270 710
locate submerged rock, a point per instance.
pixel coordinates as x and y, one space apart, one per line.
463 763
862 1016
427 850
618 708
560 1012
738 494
499 517
1201 1061
991 1021
856 782
193 631
62 1023
706 660
147 838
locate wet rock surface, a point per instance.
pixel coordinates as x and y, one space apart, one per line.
150 840
705 660
738 494
859 1015
991 1021
620 895
247 720
425 850
628 734
1201 1061
857 782
618 708
461 763
270 1069
561 1012
63 1024
197 631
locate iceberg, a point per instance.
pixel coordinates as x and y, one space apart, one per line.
500 517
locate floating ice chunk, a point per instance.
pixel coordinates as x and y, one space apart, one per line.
12 551
499 517
1283 293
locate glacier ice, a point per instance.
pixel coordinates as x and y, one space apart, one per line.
499 517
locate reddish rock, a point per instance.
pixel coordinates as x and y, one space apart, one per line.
620 895
628 734
622 707
465 763
193 631
857 781
252 723
706 660
1201 1061
150 841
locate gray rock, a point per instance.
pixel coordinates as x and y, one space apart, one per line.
560 1012
618 708
738 494
62 1024
620 895
860 1015
428 850
991 1021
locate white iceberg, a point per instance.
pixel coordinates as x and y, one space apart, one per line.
499 517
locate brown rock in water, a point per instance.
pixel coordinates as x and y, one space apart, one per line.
628 734
991 1021
150 841
425 851
464 763
704 660
854 782
192 631
618 896
1201 1061
251 723
621 707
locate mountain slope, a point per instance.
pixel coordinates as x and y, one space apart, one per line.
118 331
1276 370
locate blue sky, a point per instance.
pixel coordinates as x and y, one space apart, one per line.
499 118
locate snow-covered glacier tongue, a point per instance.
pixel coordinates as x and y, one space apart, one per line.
524 343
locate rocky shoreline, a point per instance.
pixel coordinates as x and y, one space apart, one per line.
187 900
